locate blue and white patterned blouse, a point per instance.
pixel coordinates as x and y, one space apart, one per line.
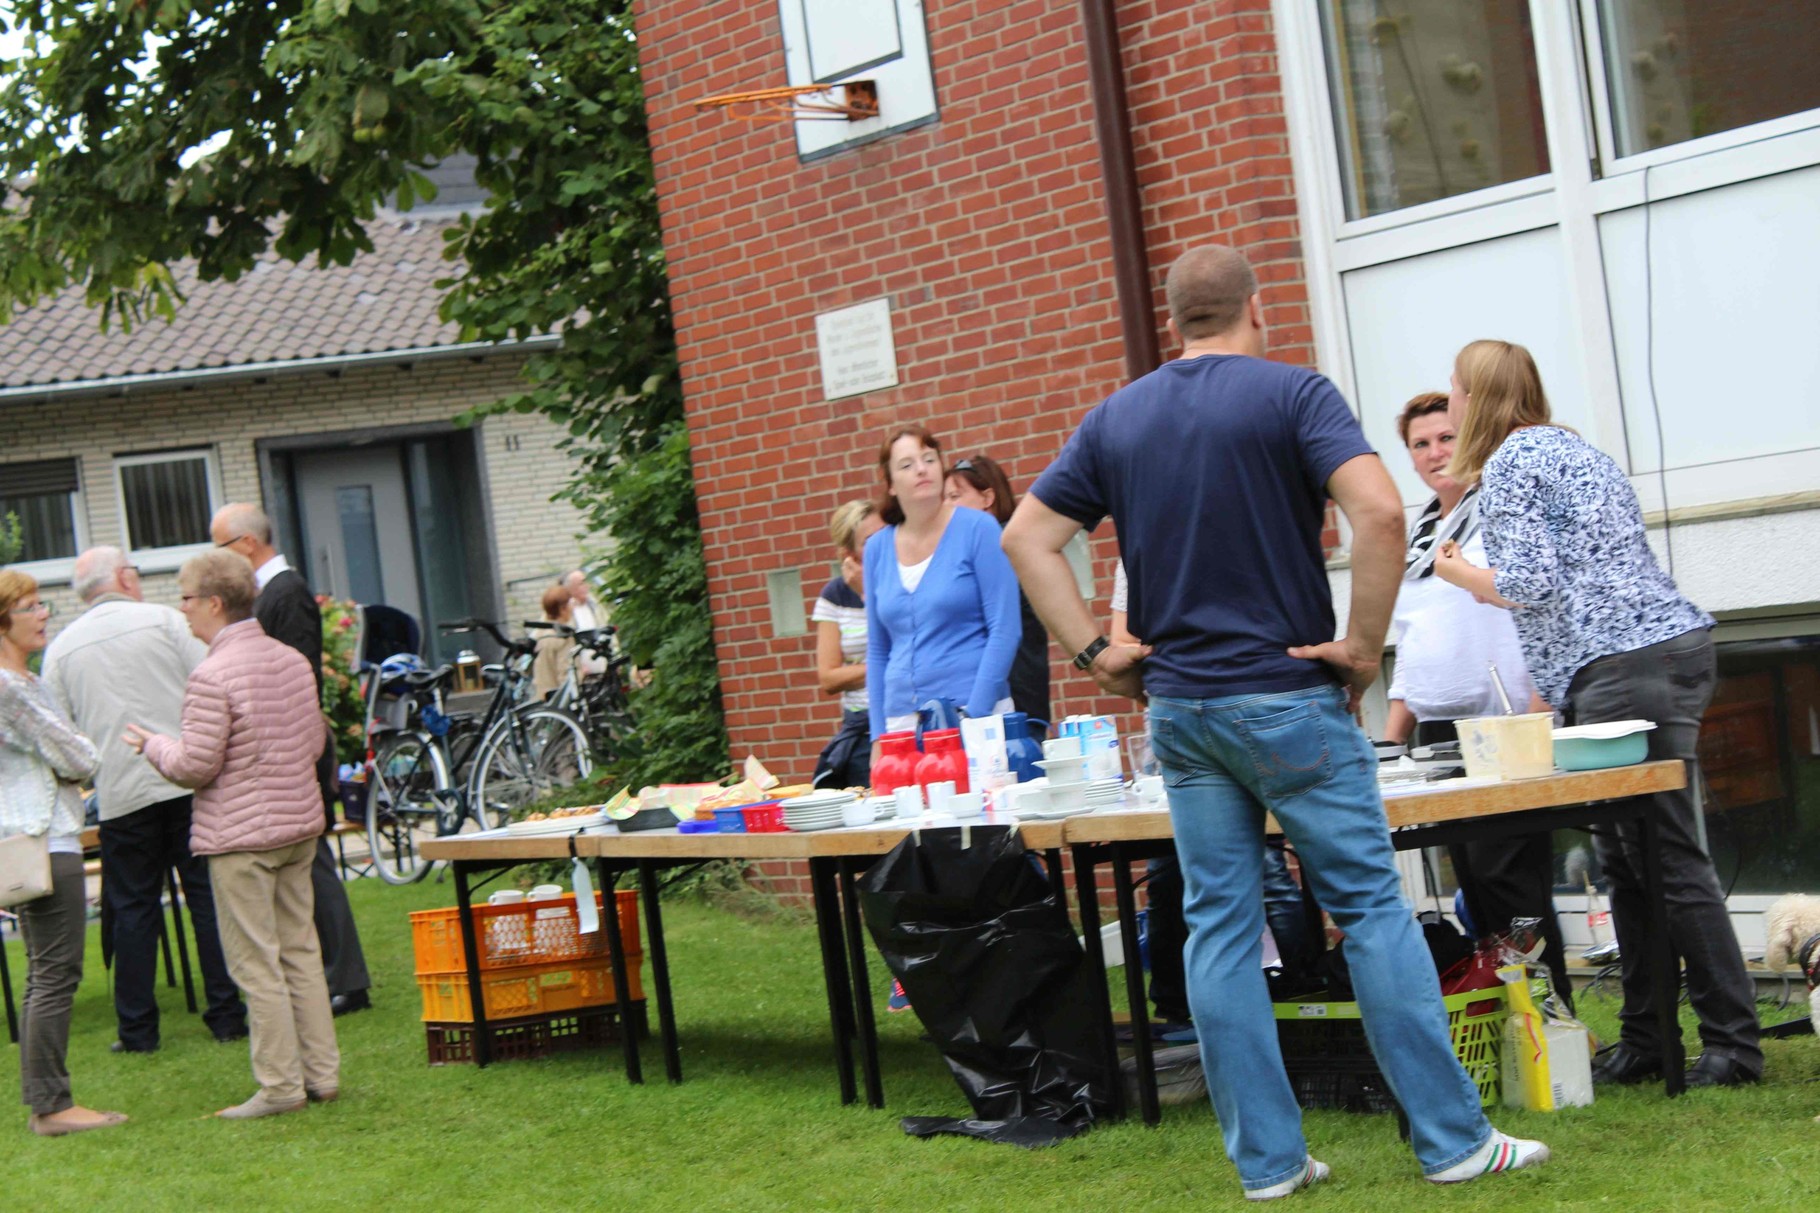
1565 533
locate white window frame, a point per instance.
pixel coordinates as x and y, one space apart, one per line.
1598 94
165 559
59 570
1583 185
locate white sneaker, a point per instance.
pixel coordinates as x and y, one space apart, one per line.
1502 1153
1313 1172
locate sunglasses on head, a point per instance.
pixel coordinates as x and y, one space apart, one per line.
961 465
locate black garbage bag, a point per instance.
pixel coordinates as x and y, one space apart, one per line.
990 963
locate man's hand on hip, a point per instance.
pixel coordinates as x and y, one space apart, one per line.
1119 669
1358 670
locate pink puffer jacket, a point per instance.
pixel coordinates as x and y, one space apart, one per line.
252 731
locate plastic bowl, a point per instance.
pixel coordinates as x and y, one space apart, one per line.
1585 749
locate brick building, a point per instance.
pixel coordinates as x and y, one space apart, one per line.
1607 183
985 230
327 395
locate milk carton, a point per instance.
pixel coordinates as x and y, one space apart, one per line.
1099 737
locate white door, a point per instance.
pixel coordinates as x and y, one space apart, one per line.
357 526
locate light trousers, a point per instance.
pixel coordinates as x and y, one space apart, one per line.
265 913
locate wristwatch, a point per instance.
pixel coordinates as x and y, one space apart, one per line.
1084 659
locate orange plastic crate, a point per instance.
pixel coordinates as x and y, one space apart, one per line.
544 989
526 932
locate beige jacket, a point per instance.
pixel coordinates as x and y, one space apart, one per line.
252 731
123 662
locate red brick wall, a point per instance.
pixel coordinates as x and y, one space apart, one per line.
987 231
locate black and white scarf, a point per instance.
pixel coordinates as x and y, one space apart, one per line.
1431 530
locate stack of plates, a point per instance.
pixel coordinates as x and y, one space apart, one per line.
816 811
557 825
1104 792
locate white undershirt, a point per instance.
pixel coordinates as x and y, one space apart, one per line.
270 569
911 575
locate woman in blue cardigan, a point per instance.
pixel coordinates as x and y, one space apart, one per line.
941 599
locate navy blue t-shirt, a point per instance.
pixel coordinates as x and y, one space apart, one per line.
1214 470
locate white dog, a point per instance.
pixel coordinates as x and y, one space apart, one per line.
1792 925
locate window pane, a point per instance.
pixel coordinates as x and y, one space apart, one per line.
167 503
1432 98
1680 69
47 525
1760 754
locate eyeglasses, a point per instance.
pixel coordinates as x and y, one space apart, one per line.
228 543
42 608
185 598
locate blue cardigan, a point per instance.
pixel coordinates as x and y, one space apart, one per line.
955 637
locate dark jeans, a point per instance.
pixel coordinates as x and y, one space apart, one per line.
136 852
1506 878
55 928
1671 684
344 963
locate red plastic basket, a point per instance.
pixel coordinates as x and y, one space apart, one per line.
765 818
522 933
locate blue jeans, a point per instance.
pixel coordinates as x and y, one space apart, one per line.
1298 754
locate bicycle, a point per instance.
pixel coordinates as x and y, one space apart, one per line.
599 701
432 774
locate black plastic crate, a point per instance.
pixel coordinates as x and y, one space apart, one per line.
533 1036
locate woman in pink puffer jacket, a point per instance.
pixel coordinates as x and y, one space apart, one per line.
252 730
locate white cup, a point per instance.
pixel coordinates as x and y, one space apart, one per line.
1065 770
859 813
1150 788
1070 797
1062 747
1031 798
967 804
544 892
909 801
941 795
506 897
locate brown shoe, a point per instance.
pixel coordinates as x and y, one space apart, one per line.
57 1124
259 1106
328 1096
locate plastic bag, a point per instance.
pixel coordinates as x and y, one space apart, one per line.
993 969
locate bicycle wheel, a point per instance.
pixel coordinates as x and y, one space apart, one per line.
508 775
408 771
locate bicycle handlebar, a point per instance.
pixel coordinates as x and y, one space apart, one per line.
458 626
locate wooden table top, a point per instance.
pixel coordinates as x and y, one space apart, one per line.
1435 802
668 844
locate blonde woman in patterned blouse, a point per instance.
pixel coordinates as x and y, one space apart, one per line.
1607 637
42 757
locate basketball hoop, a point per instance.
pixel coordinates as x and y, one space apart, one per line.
800 103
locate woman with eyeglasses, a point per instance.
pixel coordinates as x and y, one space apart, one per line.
42 760
1607 637
840 649
941 599
979 483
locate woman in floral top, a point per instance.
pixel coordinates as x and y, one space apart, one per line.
41 758
1607 636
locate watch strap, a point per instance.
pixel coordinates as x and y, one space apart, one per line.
1084 659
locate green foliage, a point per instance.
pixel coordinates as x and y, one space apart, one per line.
158 131
12 539
341 699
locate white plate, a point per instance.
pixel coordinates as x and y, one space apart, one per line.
816 800
556 825
1604 732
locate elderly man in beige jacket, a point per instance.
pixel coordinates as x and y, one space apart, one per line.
124 660
252 730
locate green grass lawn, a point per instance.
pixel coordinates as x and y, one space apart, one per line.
758 1123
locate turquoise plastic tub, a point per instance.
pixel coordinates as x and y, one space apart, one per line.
1576 752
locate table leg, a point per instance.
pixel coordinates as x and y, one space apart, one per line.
1664 971
1145 1056
1088 896
6 992
660 967
470 951
1052 860
183 948
622 985
834 971
862 986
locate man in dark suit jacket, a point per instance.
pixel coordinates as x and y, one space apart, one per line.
287 610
